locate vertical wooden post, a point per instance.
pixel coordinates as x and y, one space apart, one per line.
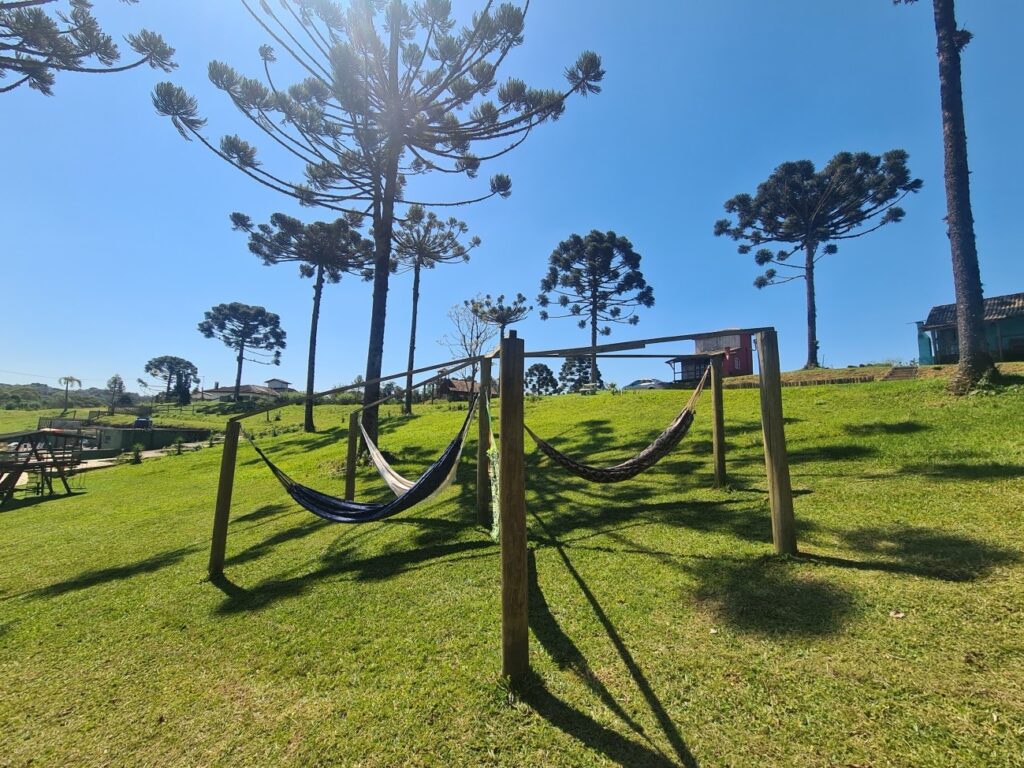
223 511
483 474
718 420
353 454
780 491
515 661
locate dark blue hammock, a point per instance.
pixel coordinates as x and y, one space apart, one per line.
341 511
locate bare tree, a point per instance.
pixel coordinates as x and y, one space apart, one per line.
469 336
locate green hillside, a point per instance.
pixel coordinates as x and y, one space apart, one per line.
663 632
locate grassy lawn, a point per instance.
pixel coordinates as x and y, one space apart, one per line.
662 630
24 421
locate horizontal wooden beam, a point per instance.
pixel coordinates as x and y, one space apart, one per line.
647 356
642 343
450 365
417 385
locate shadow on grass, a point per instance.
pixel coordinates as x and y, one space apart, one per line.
25 502
922 552
118 573
885 428
259 549
563 651
585 729
576 723
267 510
766 596
850 452
957 471
342 563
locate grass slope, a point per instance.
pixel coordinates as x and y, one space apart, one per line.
662 631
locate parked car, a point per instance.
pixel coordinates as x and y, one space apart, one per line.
143 423
647 384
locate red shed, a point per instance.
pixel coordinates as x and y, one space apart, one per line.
739 357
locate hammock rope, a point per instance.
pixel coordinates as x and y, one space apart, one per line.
338 510
647 458
492 472
396 482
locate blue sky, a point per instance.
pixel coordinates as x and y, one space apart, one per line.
116 232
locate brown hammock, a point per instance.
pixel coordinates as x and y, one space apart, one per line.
647 458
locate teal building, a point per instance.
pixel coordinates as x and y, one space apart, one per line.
1004 331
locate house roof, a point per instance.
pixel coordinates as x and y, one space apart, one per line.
245 389
280 380
464 385
996 308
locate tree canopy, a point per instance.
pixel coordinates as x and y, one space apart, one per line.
335 247
246 329
176 372
497 313
540 380
67 382
392 91
424 240
324 251
117 390
597 279
808 211
36 44
577 371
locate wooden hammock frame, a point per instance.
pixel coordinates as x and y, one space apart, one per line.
512 466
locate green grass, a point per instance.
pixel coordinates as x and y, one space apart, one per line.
662 630
23 421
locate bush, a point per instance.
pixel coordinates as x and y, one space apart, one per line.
137 450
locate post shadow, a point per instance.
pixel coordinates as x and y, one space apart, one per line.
668 727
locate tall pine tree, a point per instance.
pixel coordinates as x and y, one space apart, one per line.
392 91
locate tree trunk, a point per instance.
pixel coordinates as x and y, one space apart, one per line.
238 375
975 359
167 393
812 309
383 224
593 345
318 289
412 335
67 387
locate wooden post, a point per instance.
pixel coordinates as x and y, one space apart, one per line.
483 474
780 491
353 454
515 661
223 512
718 420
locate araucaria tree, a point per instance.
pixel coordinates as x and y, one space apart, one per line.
245 329
499 314
117 390
176 372
975 359
577 371
422 241
35 44
540 380
393 90
324 251
68 382
807 211
596 279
